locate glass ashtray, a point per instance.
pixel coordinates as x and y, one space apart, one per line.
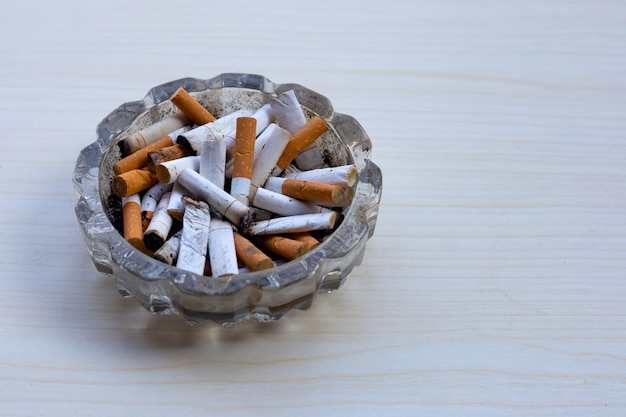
264 295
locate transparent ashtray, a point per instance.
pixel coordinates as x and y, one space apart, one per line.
250 296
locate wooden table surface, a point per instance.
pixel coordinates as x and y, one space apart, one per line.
493 286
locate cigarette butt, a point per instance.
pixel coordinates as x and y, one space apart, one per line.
168 171
283 246
131 218
290 116
221 244
194 237
191 107
305 237
244 147
261 141
151 134
301 139
167 153
159 228
139 158
132 182
344 174
250 255
243 158
150 201
292 224
168 252
284 205
315 191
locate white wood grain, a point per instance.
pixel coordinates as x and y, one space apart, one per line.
494 284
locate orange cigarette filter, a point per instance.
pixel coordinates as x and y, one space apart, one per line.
131 219
167 153
243 158
316 191
138 159
132 182
191 107
287 248
250 255
305 237
312 130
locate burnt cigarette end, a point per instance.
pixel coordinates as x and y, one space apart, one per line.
124 148
247 220
153 241
119 186
183 141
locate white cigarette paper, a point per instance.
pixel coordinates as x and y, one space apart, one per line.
151 198
264 116
222 252
160 225
240 189
269 152
288 112
216 130
212 161
345 174
194 237
133 198
284 205
310 157
233 209
175 207
274 184
262 140
168 253
293 224
168 171
132 220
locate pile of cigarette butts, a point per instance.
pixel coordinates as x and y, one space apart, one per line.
219 196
